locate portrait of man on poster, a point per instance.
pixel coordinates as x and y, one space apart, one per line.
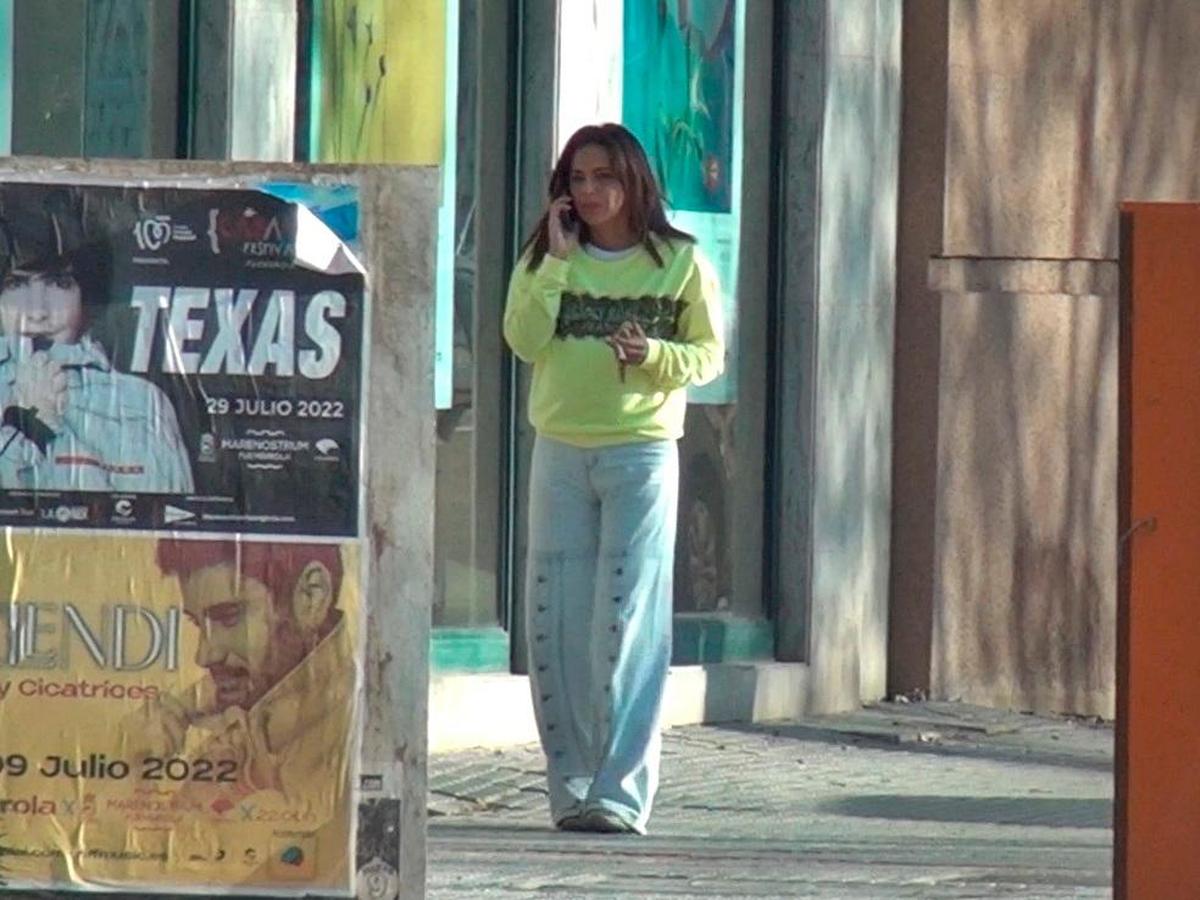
278 693
70 421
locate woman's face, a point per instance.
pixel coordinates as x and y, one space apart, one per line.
596 191
35 304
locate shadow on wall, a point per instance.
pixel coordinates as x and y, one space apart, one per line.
1056 113
1027 515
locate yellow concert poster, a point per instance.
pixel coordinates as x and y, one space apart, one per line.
178 713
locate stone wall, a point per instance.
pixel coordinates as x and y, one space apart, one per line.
1055 111
1059 110
1025 577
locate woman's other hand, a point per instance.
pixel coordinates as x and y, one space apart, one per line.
630 346
563 240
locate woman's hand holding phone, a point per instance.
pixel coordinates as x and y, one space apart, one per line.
564 237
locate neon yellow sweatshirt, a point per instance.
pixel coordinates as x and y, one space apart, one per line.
558 315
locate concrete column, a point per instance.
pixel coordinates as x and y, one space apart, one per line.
838 295
399 224
855 310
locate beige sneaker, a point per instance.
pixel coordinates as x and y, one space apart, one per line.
603 821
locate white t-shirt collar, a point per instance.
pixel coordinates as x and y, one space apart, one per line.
609 255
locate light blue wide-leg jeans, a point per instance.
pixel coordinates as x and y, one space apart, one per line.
598 614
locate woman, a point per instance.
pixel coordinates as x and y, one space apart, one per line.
618 313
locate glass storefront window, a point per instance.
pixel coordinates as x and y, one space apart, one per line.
672 73
468 458
358 112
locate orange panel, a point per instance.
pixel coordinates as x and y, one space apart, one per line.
1158 664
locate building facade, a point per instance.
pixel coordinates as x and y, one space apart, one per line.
906 480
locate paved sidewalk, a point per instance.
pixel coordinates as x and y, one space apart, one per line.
923 801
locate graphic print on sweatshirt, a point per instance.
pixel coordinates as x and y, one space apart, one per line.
585 316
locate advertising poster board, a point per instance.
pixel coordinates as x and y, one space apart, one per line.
181 612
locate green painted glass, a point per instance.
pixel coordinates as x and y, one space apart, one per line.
679 58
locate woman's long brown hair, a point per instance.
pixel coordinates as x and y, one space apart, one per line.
643 200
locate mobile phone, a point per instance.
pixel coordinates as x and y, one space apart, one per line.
568 219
